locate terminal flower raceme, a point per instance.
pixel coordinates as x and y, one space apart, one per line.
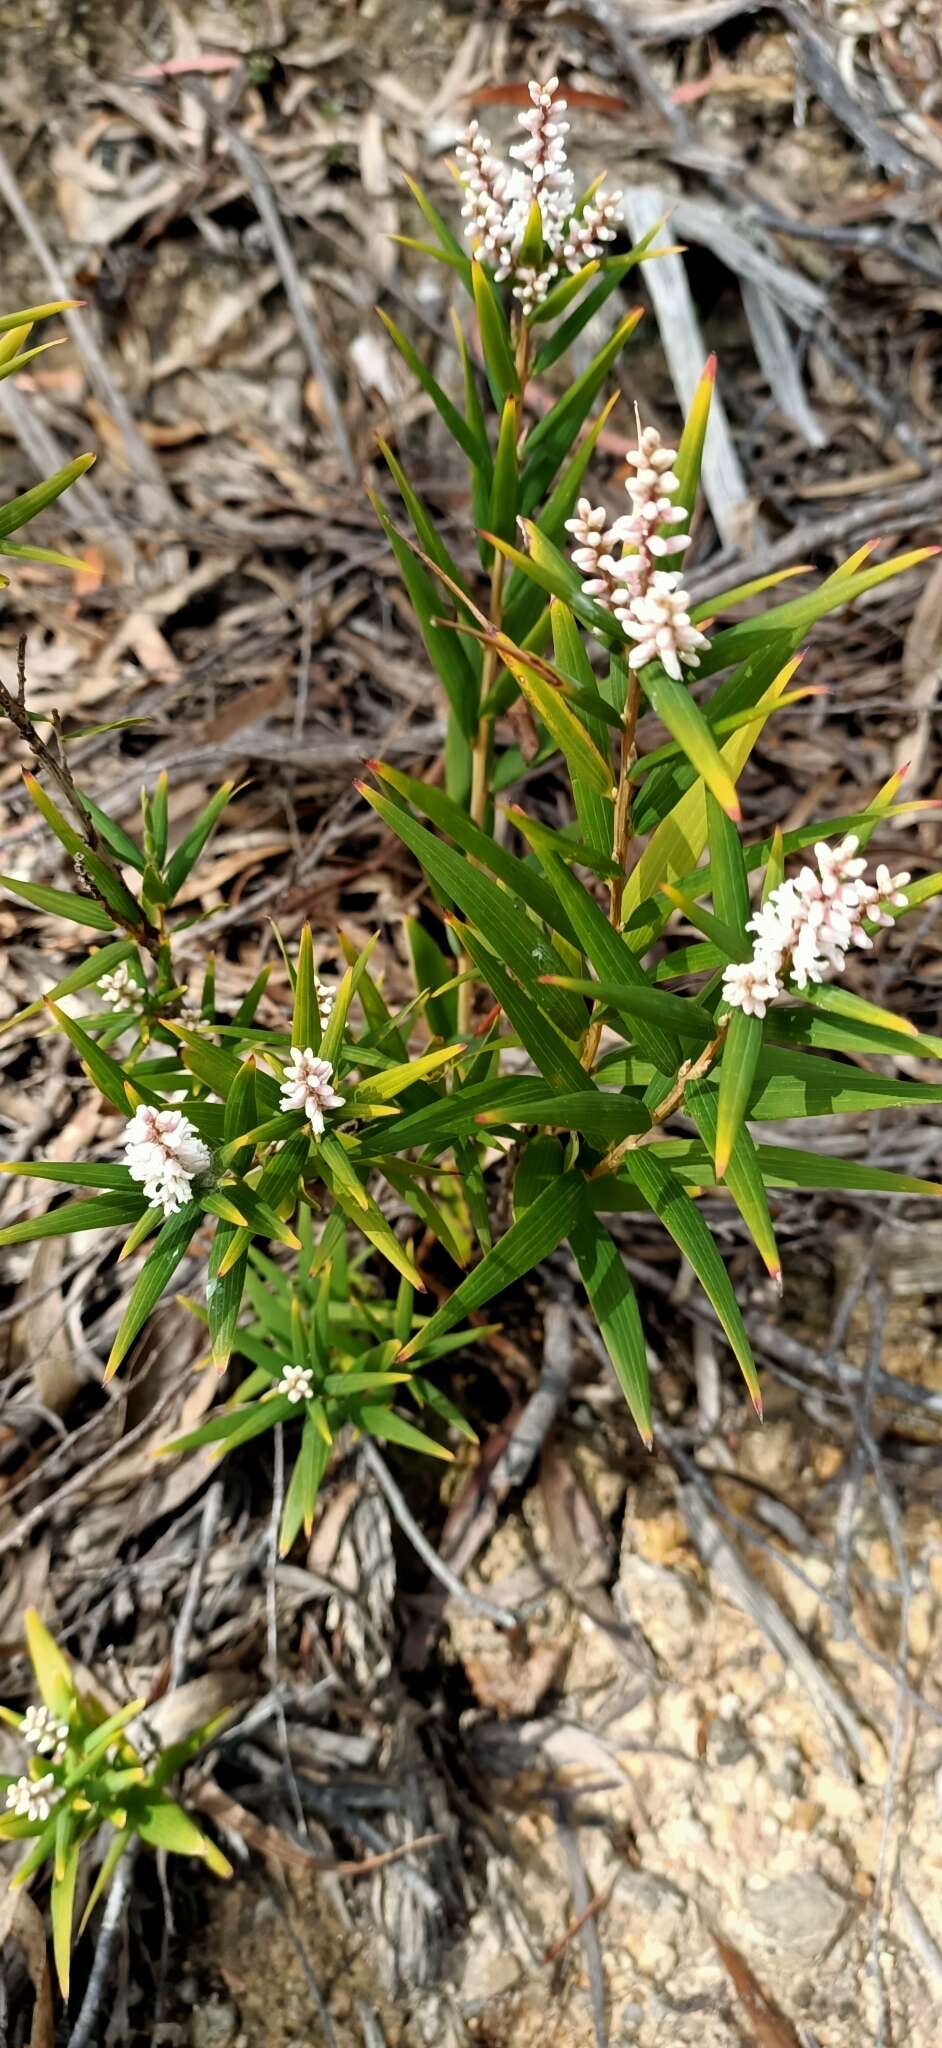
806 927
42 1731
297 1381
33 1798
165 1154
307 1086
499 200
622 563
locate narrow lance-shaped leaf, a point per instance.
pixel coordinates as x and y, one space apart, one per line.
615 1308
448 411
523 1246
155 1274
682 1219
495 338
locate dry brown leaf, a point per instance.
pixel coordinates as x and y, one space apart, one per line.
22 1923
770 2028
514 1686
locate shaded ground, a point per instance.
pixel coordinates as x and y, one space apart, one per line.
693 1799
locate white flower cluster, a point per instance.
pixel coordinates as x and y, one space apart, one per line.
808 924
164 1152
33 1798
498 200
325 1001
307 1086
297 1381
119 988
648 601
43 1732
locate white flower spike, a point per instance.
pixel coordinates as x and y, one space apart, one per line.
119 989
42 1732
307 1086
33 1798
499 199
620 562
297 1381
164 1152
806 927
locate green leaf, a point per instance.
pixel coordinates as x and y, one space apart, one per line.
440 229
499 919
546 1046
432 971
798 1084
61 903
445 649
165 1826
457 427
51 1668
737 1071
77 1173
594 807
306 1023
19 511
606 949
377 1420
614 1305
690 445
495 338
184 859
107 882
784 1166
742 1171
682 1220
223 1296
686 724
301 1497
393 1081
100 1212
88 972
105 1072
519 876
563 293
582 756
614 270
241 1108
62 1904
524 1246
678 1014
161 1263
502 511
675 845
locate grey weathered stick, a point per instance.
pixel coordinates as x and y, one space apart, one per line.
477 1603
722 475
267 208
180 1646
112 1921
777 359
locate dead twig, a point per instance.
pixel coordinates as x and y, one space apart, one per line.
267 208
476 1603
112 1921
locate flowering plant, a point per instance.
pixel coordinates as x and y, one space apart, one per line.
600 1087
85 1771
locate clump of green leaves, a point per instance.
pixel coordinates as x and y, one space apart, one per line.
324 1347
87 1769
